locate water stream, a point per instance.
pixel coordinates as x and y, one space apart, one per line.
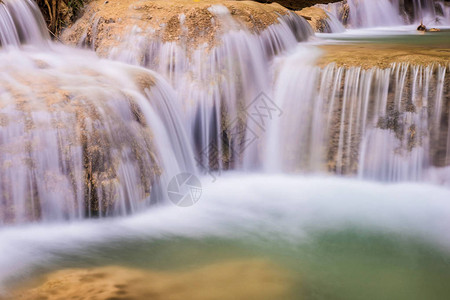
386 13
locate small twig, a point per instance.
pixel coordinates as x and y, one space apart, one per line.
54 35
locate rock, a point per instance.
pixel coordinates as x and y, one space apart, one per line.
316 17
421 27
369 55
344 12
341 10
240 280
169 20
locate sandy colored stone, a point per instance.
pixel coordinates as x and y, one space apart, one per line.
105 24
249 279
316 17
368 55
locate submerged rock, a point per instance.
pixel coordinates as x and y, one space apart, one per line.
226 280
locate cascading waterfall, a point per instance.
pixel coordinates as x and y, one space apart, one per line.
382 124
333 23
428 11
21 23
340 116
382 13
79 137
214 89
369 13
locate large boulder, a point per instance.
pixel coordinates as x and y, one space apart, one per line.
105 24
316 17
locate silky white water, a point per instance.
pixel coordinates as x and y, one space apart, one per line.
57 124
374 123
31 29
279 207
384 13
80 137
232 100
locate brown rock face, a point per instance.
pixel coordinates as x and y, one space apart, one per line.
249 279
104 22
316 17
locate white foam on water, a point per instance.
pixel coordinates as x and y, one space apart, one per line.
243 205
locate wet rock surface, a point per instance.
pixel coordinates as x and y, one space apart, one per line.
106 24
316 17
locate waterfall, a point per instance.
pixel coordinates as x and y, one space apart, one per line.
214 85
429 11
219 90
21 23
382 13
333 23
382 124
99 140
333 119
369 13
79 136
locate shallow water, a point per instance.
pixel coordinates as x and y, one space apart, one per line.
402 35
